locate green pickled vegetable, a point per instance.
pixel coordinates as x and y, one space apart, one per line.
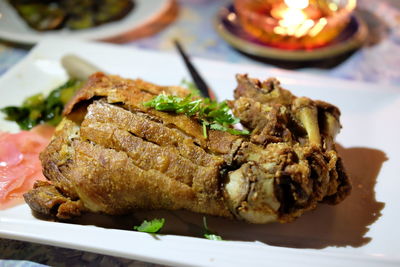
38 109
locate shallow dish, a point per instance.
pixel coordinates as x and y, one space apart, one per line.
228 27
361 231
13 27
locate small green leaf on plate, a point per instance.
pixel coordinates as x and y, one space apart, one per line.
152 226
209 234
213 237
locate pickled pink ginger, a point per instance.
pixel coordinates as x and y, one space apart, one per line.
20 166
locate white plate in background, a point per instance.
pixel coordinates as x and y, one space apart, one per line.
361 231
14 28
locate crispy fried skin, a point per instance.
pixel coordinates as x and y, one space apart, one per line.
113 155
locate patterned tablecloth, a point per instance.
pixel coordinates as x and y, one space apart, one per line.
378 61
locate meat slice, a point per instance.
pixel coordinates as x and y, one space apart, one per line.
113 155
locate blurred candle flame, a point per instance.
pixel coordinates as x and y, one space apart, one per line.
295 24
294 21
297 4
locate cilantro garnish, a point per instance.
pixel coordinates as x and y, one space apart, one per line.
211 114
213 237
152 226
209 234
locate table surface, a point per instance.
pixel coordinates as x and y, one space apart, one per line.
378 61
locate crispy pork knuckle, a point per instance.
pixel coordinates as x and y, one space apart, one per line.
113 155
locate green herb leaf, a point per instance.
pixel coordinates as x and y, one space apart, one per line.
213 237
210 113
205 129
152 226
216 126
209 234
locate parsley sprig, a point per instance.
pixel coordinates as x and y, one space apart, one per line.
210 113
152 226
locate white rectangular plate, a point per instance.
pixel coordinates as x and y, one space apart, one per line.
361 231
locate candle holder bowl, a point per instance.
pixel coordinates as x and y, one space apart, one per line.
294 24
230 28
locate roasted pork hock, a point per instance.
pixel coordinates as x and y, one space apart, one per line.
113 155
